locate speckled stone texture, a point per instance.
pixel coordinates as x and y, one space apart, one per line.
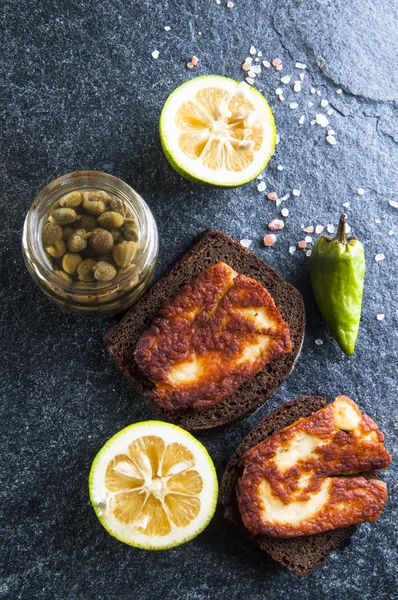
80 89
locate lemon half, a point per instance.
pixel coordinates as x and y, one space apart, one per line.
217 131
153 486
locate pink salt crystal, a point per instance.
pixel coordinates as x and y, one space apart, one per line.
269 239
309 229
272 196
276 62
190 65
302 244
194 60
246 66
230 4
249 80
276 224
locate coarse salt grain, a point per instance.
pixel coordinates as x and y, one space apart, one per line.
310 104
346 204
331 140
285 79
190 65
324 103
276 224
339 91
281 98
285 197
377 221
269 239
194 60
347 228
155 54
256 69
246 66
393 204
279 68
278 91
312 91
319 229
249 80
245 243
260 176
252 72
318 342
302 244
330 111
390 232
280 168
330 228
302 76
300 65
293 105
309 229
272 196
297 86
278 139
308 239
321 120
379 257
230 4
301 120
380 317
259 53
308 253
285 212
276 62
266 64
331 132
360 191
292 249
313 122
252 50
261 186
167 28
318 93
296 193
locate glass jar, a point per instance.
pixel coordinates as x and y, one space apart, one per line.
85 298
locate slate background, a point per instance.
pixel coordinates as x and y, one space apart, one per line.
79 89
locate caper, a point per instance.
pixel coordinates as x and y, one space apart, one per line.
63 275
103 271
70 262
105 257
130 231
118 206
124 253
67 232
93 203
85 269
57 250
87 222
116 234
101 241
51 233
111 220
71 200
78 240
63 216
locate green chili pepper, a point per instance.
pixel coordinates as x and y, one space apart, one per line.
337 268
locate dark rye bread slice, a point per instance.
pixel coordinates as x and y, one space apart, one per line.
302 554
207 249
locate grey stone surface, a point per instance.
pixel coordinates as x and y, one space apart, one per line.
79 89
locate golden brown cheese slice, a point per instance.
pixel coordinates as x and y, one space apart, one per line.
291 486
219 331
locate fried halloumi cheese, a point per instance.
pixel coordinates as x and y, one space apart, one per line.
219 331
292 485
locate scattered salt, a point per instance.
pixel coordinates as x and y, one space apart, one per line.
292 249
293 105
339 91
266 64
312 91
251 72
285 79
324 103
249 80
285 212
309 229
310 104
278 68
308 253
331 132
308 239
313 122
377 221
302 76
297 86
259 53
390 232
252 50
278 139
393 204
269 239
276 224
246 243
330 228
155 54
321 120
300 65
302 244
318 93
346 204
280 168
360 191
296 193
319 229
246 66
278 91
301 120
285 197
261 186
347 228
380 317
256 69
272 196
379 257
331 140
230 4
276 62
167 27
319 342
330 111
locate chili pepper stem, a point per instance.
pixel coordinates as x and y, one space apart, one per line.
340 235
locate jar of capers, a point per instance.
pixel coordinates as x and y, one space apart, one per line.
91 243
